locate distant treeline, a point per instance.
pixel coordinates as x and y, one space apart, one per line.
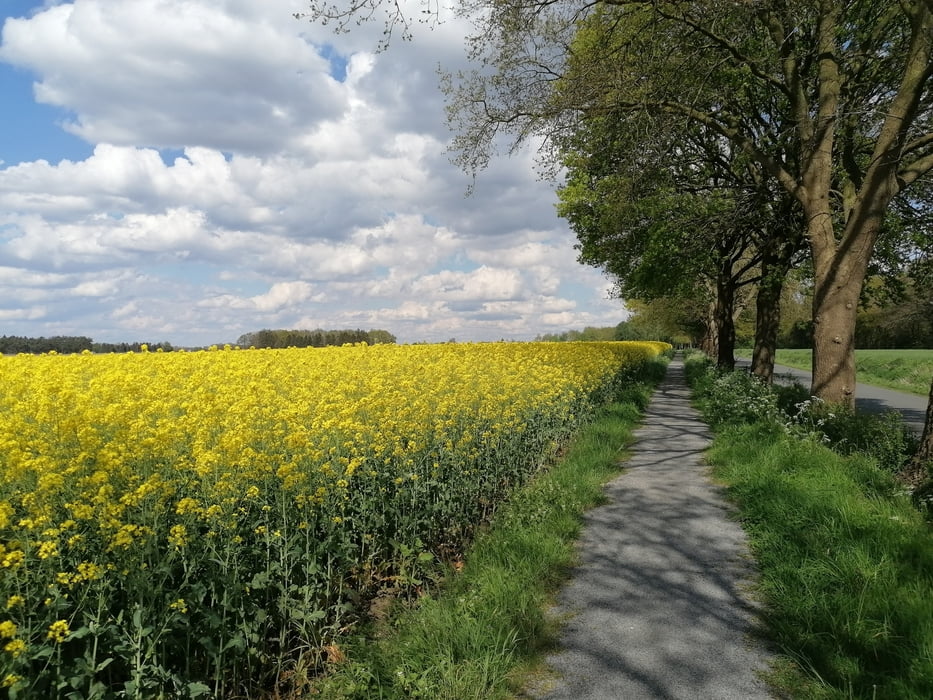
587 334
311 339
65 344
627 330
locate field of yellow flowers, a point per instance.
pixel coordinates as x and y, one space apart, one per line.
196 524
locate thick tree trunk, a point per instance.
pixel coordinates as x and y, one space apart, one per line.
838 274
774 269
725 322
835 302
916 475
709 343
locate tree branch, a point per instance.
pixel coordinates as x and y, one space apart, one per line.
730 48
912 171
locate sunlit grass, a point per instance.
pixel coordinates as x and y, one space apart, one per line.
846 565
902 370
846 560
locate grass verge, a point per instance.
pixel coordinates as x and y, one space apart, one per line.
901 370
486 626
846 564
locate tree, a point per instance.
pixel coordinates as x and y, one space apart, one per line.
677 321
64 344
846 83
780 245
317 338
922 272
674 211
924 456
832 98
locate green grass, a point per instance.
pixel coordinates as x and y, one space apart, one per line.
485 629
901 370
846 566
846 561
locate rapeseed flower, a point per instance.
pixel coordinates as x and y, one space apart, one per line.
58 631
15 648
213 470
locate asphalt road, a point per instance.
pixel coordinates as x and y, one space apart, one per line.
868 398
658 606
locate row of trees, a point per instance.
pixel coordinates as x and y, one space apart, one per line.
711 147
66 344
590 333
312 339
14 344
893 313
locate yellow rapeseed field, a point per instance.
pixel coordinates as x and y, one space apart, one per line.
189 524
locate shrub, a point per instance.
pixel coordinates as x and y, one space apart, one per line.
735 398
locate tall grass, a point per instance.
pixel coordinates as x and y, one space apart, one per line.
847 565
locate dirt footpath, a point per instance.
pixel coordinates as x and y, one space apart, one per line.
657 607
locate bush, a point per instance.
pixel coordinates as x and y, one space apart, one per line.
729 398
736 398
883 437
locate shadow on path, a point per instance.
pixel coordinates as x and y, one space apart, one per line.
657 607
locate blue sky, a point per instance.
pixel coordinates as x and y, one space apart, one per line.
192 170
31 131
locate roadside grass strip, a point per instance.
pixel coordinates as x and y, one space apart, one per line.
900 370
846 564
486 629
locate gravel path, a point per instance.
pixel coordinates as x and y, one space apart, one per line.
657 607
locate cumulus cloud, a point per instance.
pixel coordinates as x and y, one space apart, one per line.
479 284
252 170
178 73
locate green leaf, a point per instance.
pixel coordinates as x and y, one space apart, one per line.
196 690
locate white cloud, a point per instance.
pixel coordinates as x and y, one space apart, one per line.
97 288
237 182
480 284
178 73
32 313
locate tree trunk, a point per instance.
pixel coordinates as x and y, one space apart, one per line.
774 269
839 269
916 475
709 343
838 275
724 320
835 303
924 453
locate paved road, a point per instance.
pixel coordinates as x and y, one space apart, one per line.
658 606
868 398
